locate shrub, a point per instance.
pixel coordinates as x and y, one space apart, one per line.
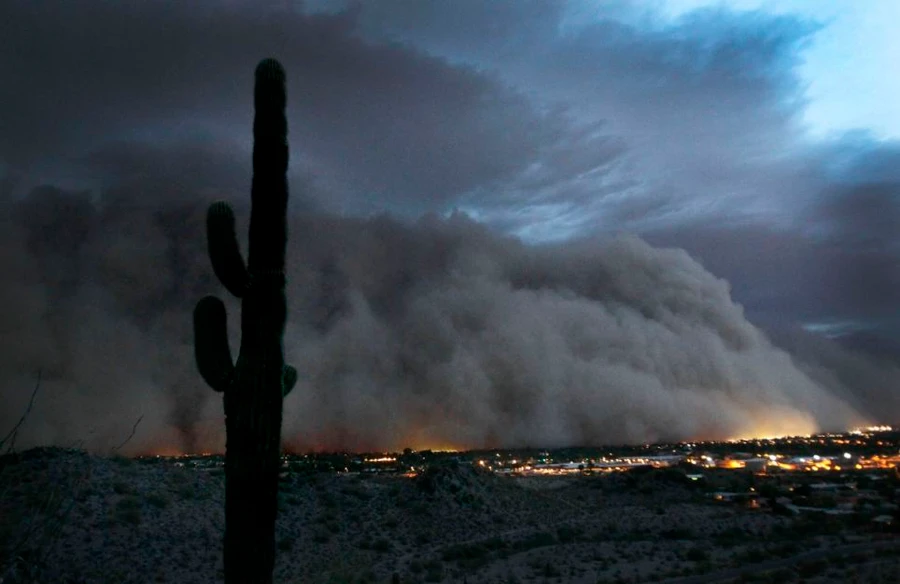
811 568
122 488
550 571
697 555
434 571
381 545
754 555
187 491
122 461
128 510
535 540
422 539
158 500
677 533
568 534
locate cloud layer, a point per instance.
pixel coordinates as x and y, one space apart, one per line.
561 127
450 333
436 333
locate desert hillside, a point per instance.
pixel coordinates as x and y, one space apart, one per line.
69 517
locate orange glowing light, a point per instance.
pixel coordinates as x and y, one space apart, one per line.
777 423
163 451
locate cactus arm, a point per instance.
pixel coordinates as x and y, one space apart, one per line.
288 379
223 249
211 348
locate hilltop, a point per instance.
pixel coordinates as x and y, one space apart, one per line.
75 518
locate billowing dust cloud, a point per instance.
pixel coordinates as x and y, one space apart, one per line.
432 334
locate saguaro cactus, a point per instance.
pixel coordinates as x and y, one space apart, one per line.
254 387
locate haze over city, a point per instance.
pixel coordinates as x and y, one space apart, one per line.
511 223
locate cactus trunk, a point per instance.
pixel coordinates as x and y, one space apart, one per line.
254 387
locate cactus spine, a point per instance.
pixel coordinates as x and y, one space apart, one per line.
254 387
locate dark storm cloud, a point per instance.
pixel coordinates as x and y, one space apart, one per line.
95 300
467 29
791 275
704 110
172 170
864 376
834 265
433 333
865 271
371 122
536 126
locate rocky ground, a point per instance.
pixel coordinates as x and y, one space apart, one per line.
70 518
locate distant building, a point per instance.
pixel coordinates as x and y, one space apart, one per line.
756 464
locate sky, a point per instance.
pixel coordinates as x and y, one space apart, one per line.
666 219
844 64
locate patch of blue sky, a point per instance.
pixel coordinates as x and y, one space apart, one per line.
533 224
846 68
